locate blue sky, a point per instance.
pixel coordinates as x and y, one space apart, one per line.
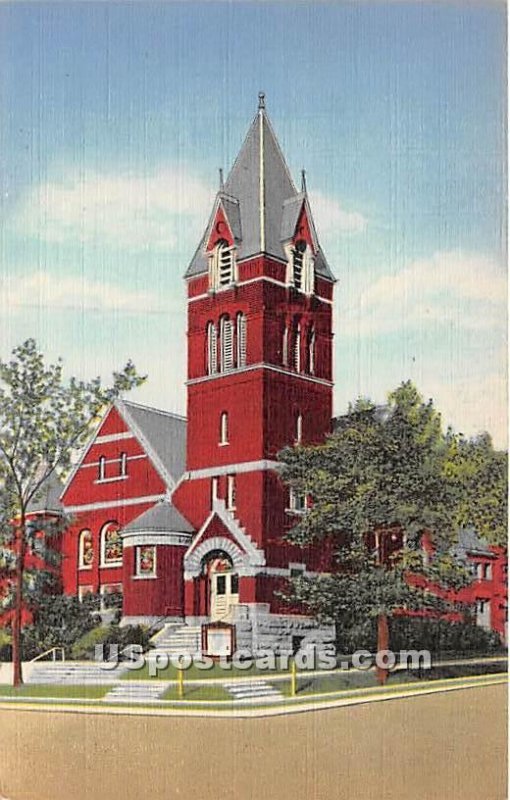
115 119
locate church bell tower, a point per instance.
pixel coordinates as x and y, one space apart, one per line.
259 293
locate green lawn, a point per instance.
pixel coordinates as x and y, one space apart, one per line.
170 673
50 690
216 693
342 681
356 679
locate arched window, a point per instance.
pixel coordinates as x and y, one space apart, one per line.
296 348
302 269
297 263
224 428
299 428
225 263
85 550
101 469
221 265
226 344
111 545
212 349
241 340
285 347
123 465
311 351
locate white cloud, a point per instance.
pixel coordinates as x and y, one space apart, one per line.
461 289
331 218
129 212
474 405
45 290
135 212
440 321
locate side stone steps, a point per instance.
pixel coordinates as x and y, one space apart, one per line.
252 690
178 641
131 692
70 674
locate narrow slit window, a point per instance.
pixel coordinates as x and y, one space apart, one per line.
285 347
296 349
212 349
101 473
311 352
227 345
224 428
123 465
231 492
241 340
299 429
214 490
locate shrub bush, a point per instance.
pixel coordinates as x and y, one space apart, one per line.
440 637
59 621
5 645
85 648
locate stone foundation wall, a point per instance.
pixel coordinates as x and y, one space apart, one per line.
258 630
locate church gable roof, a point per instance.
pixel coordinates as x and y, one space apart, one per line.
212 536
163 435
261 184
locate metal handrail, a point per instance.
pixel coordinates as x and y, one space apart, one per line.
53 651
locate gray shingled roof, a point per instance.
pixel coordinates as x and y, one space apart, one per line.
290 215
162 517
47 498
470 543
281 200
232 211
165 434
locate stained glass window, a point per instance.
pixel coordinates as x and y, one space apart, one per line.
86 550
111 546
146 561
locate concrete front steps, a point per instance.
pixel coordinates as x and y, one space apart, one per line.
69 673
132 692
255 690
177 640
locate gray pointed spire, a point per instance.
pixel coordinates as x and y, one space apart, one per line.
262 187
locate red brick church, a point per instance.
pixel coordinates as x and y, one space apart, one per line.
187 517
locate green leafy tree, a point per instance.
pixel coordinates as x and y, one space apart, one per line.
44 418
380 476
478 475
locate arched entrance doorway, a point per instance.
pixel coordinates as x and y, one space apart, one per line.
223 584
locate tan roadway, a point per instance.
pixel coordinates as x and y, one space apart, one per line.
448 746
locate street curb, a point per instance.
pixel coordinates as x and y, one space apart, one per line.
250 713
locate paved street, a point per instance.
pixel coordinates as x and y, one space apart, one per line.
441 747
